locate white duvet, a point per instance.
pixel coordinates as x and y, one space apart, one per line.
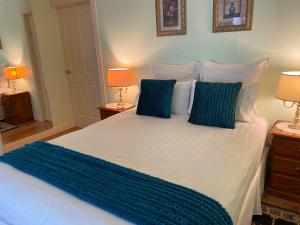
217 162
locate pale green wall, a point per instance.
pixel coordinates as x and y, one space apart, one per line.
128 29
52 60
15 50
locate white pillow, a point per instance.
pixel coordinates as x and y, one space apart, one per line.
228 73
245 107
181 97
179 72
192 96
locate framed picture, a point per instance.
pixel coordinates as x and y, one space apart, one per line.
232 15
0 44
170 17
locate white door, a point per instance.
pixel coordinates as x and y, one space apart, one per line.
81 61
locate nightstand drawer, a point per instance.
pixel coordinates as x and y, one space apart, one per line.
106 114
284 183
286 166
286 147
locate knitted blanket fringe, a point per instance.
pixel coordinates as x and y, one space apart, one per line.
131 195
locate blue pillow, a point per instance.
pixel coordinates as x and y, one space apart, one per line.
156 98
214 104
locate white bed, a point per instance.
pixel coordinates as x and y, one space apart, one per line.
224 164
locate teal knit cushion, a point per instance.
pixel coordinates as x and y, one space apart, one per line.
214 104
156 98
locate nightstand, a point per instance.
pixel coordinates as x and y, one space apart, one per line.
284 180
108 112
17 107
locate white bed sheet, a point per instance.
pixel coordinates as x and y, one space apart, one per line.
220 163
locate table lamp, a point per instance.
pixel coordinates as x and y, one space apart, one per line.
289 91
120 79
13 74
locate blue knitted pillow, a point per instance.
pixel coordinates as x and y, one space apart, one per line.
214 104
156 98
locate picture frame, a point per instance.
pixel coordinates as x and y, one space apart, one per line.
232 15
1 47
170 17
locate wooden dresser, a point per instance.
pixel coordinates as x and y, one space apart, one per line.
284 180
17 107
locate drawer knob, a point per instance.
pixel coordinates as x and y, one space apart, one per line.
297 169
295 187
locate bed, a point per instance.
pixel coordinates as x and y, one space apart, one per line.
226 165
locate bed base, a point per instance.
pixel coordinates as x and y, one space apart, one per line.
252 203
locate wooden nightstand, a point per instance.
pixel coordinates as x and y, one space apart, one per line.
17 107
108 112
284 180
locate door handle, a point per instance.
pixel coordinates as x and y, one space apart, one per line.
68 71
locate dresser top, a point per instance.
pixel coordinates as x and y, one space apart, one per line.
279 133
14 92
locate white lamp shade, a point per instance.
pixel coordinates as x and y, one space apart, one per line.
289 87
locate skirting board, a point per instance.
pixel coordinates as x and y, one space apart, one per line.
37 137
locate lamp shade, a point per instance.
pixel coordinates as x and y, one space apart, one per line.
289 87
121 77
14 73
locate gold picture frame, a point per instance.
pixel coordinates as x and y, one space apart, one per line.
170 17
232 15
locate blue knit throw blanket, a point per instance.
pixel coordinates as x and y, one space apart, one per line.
136 197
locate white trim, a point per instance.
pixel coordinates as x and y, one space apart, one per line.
96 25
67 3
39 80
37 137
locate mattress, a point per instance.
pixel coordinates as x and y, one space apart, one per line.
220 163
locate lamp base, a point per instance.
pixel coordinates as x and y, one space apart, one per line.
119 105
287 127
296 123
294 126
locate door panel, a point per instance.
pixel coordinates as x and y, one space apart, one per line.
88 47
81 62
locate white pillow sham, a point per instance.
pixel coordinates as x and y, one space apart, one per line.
192 96
179 72
181 97
229 73
245 107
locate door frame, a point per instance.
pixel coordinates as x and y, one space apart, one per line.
36 66
58 4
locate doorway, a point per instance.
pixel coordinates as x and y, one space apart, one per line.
13 130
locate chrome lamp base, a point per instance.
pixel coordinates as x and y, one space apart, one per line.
296 122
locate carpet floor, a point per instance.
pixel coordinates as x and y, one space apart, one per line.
276 216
